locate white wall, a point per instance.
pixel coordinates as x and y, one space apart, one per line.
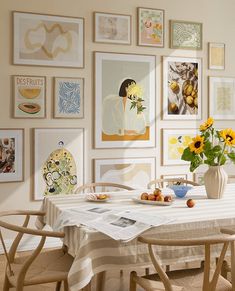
218 26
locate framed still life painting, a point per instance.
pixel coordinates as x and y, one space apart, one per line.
182 88
58 161
216 56
68 97
11 155
151 27
174 143
112 28
29 96
48 40
222 98
185 35
133 172
124 100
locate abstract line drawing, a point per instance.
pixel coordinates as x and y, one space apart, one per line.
48 40
68 98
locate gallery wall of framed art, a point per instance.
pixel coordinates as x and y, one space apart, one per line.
64 67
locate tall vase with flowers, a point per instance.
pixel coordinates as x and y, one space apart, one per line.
214 148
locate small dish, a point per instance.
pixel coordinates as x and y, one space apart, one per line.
180 190
151 202
92 197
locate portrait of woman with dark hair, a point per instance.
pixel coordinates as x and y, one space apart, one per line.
122 114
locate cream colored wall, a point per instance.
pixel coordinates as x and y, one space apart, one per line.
218 26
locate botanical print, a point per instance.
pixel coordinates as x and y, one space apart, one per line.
186 35
11 155
178 176
174 143
48 40
125 100
29 96
68 98
182 88
199 178
151 27
58 161
222 97
112 28
135 173
217 56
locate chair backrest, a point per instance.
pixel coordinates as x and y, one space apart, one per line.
209 282
21 230
103 186
160 183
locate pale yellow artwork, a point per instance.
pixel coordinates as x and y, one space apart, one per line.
177 144
224 99
217 56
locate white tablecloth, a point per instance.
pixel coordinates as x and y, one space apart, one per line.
95 252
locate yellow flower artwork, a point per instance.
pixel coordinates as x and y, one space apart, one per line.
177 144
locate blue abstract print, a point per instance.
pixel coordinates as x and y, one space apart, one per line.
69 97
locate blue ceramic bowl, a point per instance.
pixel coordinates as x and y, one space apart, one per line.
180 190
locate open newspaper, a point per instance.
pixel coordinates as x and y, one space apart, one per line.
122 225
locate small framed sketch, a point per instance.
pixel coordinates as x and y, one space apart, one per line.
47 40
174 143
185 35
112 28
182 88
11 155
58 161
151 27
124 100
29 96
216 57
176 176
199 178
68 97
222 98
133 172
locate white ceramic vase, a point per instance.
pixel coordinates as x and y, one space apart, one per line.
215 180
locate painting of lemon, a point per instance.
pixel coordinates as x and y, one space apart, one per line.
29 93
177 144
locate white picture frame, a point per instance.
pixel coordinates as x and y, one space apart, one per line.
58 161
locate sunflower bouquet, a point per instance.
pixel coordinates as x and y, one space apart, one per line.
212 147
135 93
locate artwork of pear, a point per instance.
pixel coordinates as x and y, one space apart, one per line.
60 173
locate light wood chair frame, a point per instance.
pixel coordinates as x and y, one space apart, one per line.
10 255
159 182
208 285
91 187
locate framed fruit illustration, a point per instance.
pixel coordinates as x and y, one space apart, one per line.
29 96
181 88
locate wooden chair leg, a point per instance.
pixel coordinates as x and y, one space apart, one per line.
66 286
132 281
146 271
6 285
100 281
58 286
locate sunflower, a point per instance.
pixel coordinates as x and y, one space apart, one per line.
228 136
197 144
207 124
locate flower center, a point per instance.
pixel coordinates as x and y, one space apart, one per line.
228 137
197 144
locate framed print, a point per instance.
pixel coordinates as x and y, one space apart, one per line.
68 97
48 40
58 161
176 176
29 96
112 28
133 172
182 88
185 35
174 143
124 100
151 27
11 155
216 52
222 98
199 178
